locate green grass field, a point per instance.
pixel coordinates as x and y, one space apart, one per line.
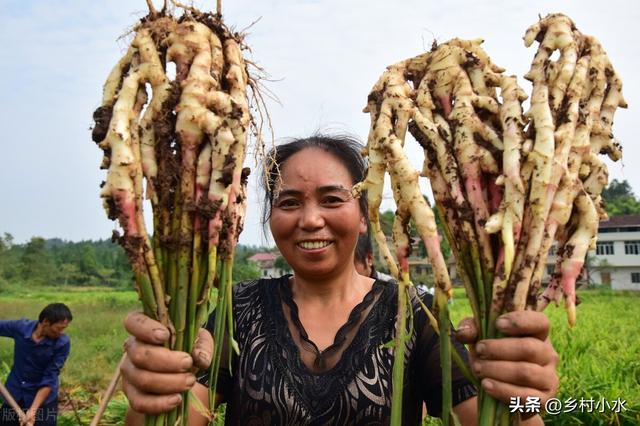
600 357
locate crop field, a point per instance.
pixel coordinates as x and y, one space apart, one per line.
600 357
96 334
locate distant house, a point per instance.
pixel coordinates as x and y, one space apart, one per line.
617 252
420 268
616 259
267 262
615 262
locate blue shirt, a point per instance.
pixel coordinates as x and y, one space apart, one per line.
35 365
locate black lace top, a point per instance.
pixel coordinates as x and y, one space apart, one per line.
280 376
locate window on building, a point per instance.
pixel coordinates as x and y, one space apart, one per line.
551 269
635 277
604 248
552 250
264 272
632 247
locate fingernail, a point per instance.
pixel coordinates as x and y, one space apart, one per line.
481 349
477 368
175 399
191 380
186 363
204 358
503 323
487 384
161 334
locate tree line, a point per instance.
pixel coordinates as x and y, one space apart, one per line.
620 199
86 263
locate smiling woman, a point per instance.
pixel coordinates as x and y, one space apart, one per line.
311 346
314 220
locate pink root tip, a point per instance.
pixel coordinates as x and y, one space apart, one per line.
445 103
127 209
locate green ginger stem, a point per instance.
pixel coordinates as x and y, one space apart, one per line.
445 353
397 381
218 333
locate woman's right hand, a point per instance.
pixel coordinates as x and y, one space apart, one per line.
153 376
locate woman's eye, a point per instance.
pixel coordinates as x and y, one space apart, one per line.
287 203
333 200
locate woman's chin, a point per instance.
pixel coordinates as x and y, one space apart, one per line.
316 271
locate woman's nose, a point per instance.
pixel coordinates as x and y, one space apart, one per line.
311 217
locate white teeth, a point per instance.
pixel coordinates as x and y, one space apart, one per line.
313 244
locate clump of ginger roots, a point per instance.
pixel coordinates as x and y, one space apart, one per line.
506 183
495 171
180 141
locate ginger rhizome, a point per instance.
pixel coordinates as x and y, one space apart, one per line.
507 183
180 142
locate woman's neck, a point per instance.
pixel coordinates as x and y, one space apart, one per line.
343 287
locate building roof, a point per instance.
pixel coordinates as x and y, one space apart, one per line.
622 220
263 257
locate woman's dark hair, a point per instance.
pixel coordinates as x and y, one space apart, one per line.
55 312
363 248
346 149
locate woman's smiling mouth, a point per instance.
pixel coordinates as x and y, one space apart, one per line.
313 245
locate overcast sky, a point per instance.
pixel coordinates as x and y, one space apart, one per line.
323 57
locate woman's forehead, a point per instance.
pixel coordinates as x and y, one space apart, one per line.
319 190
314 164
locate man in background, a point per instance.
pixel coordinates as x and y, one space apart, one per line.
40 350
363 259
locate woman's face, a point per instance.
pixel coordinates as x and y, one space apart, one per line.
315 221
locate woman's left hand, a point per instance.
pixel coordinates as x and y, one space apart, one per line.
521 364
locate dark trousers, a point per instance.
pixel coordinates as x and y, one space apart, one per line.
47 415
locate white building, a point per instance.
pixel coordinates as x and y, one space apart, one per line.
266 262
616 260
617 255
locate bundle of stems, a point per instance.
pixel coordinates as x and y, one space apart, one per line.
180 142
506 183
